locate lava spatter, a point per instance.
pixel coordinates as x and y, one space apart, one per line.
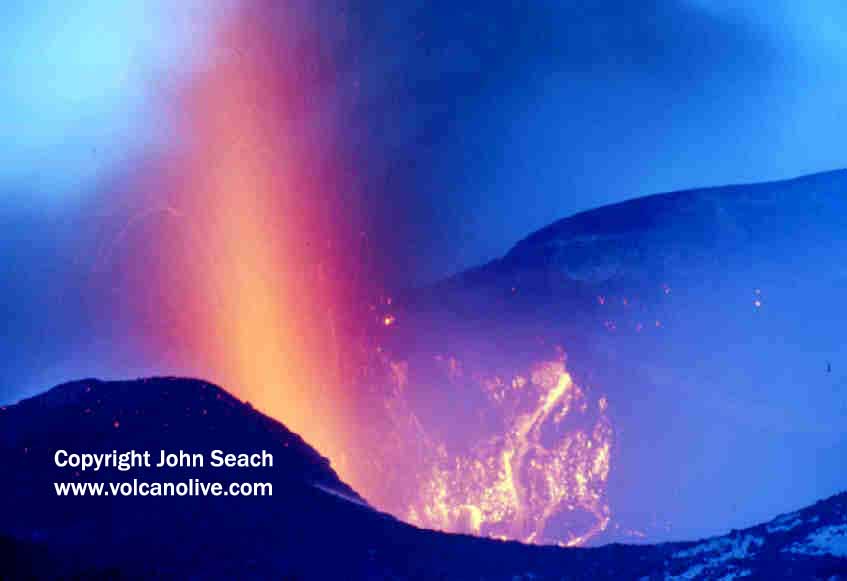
541 478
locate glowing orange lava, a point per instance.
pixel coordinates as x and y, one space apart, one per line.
261 316
548 459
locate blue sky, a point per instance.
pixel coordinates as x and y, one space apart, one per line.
84 86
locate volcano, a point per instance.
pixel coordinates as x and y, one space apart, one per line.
313 526
703 332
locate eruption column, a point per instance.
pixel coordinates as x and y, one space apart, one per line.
260 315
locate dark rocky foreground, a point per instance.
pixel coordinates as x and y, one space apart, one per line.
313 526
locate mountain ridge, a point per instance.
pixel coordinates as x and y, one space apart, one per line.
658 200
601 245
291 536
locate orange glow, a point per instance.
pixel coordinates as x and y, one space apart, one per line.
551 458
261 311
261 316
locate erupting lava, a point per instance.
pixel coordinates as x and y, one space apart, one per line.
253 271
259 293
540 477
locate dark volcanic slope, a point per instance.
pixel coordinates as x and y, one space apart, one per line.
666 238
29 560
667 233
154 414
302 531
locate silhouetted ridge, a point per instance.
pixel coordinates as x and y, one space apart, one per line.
160 412
302 531
658 210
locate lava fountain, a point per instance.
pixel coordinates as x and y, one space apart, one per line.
267 302
255 248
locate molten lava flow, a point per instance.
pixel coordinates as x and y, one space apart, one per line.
540 478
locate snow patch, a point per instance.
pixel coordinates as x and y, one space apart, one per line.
340 495
731 548
785 522
831 540
718 552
